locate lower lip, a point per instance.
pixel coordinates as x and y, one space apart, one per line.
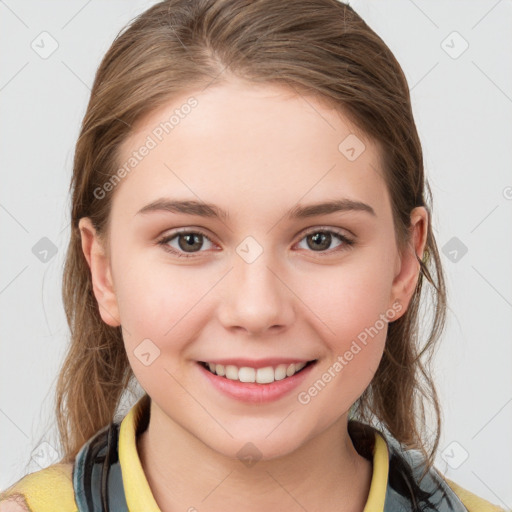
256 393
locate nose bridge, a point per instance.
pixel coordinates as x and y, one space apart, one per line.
253 276
256 298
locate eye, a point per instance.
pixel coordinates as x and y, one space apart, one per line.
187 241
321 239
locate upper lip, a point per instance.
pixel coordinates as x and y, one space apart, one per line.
257 363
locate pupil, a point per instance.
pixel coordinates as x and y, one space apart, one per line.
321 237
191 239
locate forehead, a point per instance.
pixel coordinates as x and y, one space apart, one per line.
264 142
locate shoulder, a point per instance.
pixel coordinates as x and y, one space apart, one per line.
410 481
471 501
49 489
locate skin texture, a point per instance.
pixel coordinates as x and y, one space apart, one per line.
256 151
14 504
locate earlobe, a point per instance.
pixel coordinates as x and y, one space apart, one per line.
101 274
405 281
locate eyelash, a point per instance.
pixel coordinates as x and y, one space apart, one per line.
348 243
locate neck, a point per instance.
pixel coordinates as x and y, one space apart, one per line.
325 473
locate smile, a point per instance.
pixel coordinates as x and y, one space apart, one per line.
264 375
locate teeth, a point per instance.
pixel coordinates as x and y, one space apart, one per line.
261 375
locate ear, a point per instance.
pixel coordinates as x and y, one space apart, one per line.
102 283
407 268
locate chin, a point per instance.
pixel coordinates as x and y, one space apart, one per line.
258 448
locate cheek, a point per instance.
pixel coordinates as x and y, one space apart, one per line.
161 304
152 296
349 298
156 313
355 337
351 306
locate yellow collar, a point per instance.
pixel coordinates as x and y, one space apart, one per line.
138 493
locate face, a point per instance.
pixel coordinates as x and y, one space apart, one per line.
257 281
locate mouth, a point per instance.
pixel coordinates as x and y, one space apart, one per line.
266 375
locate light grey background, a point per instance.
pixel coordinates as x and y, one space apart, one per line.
463 110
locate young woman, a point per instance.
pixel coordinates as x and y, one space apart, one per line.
251 241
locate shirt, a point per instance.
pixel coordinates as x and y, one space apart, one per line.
107 475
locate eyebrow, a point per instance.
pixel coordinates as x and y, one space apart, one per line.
201 209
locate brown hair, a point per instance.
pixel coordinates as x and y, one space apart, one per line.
319 47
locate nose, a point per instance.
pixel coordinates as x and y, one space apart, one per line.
256 297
